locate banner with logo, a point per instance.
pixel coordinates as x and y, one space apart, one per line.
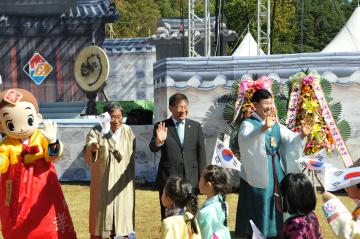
224 157
37 68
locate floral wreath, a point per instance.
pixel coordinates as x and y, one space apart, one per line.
308 101
305 85
307 107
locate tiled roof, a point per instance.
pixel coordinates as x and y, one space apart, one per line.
93 9
208 73
123 45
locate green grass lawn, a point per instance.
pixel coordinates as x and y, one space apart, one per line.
147 218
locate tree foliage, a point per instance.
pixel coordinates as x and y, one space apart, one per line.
322 19
137 18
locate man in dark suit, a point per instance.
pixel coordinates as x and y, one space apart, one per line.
181 142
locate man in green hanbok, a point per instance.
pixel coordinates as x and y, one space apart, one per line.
268 151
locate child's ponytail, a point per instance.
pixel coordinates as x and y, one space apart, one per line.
225 209
192 207
192 203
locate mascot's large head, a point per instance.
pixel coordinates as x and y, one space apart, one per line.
19 113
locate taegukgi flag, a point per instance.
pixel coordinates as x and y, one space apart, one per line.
316 161
104 120
336 179
224 157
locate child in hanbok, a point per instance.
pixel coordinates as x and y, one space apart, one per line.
32 204
181 205
343 223
213 215
299 200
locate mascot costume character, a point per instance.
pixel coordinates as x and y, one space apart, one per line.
32 204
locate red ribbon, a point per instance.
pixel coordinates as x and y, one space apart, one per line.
28 150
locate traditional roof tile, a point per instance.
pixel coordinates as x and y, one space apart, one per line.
93 9
124 45
207 73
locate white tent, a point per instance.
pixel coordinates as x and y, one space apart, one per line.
348 39
248 47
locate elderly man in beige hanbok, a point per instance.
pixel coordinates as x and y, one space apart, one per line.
110 157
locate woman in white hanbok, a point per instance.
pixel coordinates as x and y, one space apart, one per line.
268 151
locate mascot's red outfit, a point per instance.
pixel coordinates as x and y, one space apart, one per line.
32 204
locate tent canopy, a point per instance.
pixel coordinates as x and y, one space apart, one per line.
247 47
348 39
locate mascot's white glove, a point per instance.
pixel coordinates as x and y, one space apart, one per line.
50 130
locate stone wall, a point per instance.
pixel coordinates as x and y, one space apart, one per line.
72 167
